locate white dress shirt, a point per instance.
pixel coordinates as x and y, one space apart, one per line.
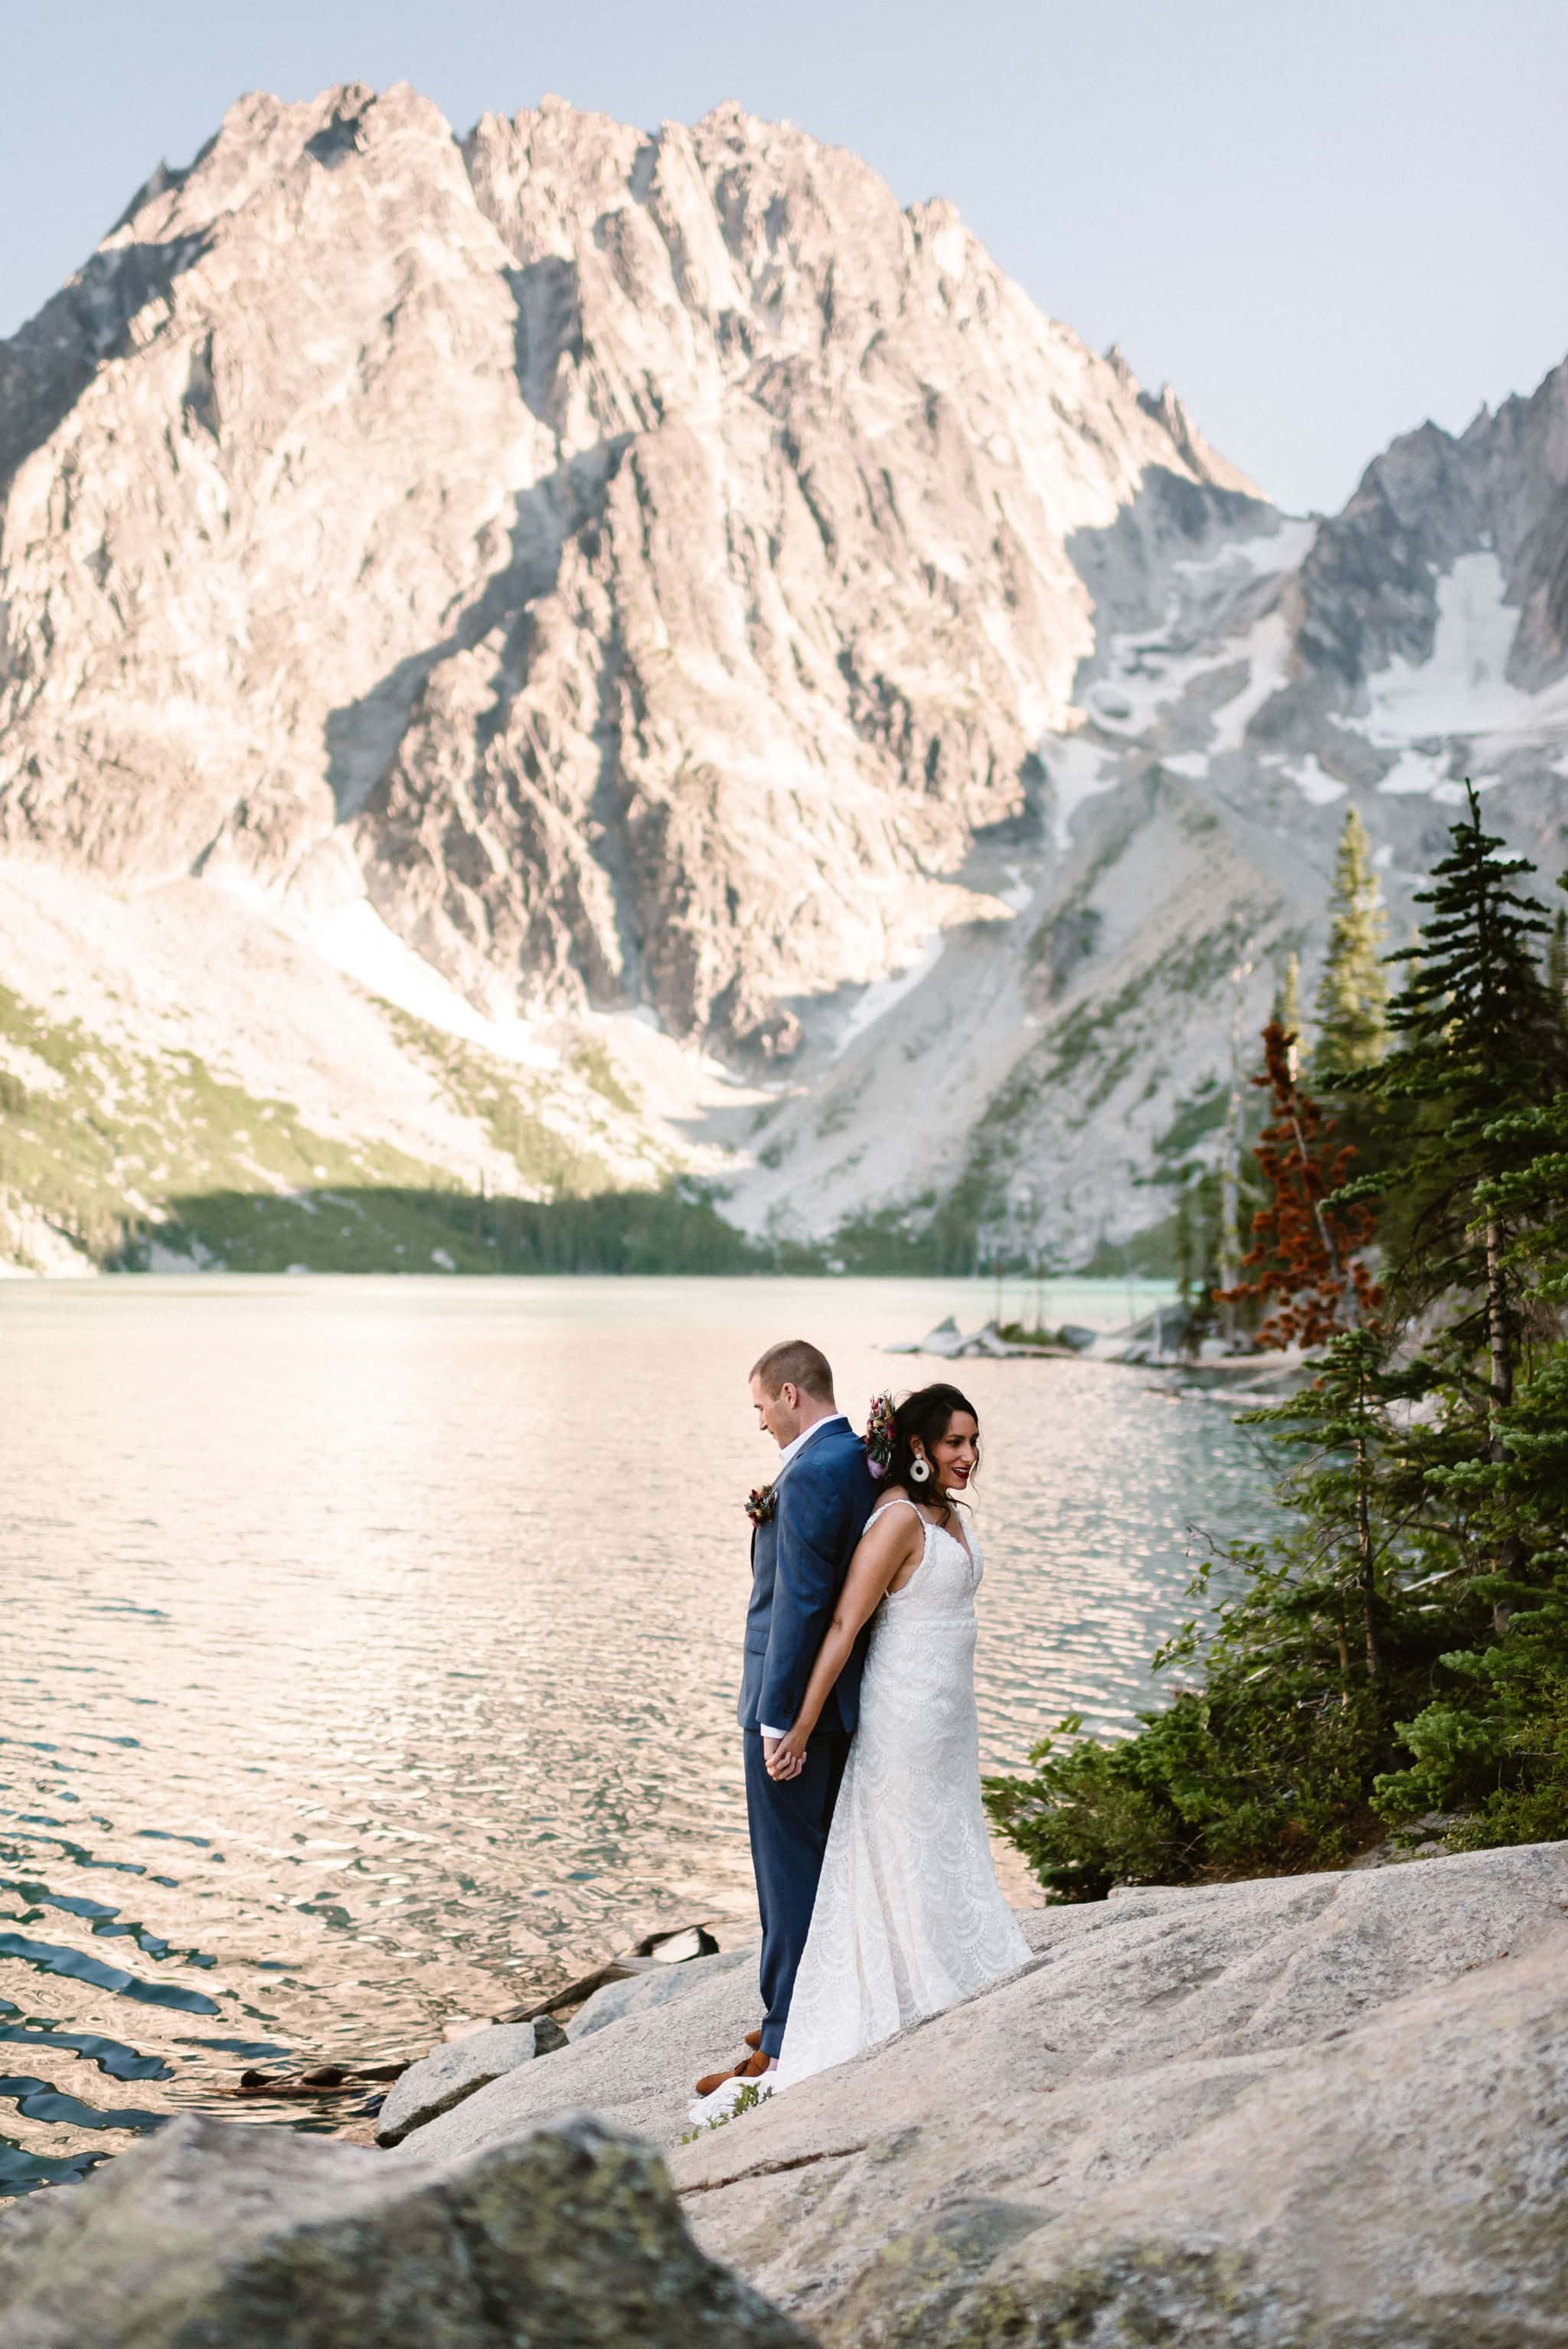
818 1427
787 1453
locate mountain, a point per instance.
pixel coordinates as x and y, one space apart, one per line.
545 660
1251 676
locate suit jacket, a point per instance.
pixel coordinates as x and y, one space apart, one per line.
799 1561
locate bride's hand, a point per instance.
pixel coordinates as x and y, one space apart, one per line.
787 1758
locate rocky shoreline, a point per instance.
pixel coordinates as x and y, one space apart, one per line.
1273 2115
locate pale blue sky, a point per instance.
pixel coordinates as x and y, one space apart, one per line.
1321 220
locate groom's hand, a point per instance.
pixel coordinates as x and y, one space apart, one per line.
780 1764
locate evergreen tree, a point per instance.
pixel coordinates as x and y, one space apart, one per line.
1286 1009
1198 1233
1476 1042
1305 1241
1533 1198
1186 1242
1355 1489
1479 1044
1498 1741
1557 958
1482 1165
1495 1741
1353 993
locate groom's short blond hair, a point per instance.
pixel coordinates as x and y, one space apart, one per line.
794 1362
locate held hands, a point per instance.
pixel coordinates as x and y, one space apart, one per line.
785 1758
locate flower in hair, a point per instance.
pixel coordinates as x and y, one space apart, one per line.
881 1436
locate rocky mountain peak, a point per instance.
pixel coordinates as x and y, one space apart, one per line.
653 580
1203 461
635 562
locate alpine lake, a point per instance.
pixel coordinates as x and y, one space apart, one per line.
369 1646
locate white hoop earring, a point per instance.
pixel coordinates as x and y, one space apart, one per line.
919 1469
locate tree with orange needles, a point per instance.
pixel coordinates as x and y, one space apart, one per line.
1305 1241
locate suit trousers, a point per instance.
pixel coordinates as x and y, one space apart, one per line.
788 1819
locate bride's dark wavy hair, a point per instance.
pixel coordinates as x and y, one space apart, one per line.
927 1414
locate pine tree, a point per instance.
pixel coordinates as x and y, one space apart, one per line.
1533 1198
1499 1741
1495 1741
1322 1638
1203 1209
1286 1009
1476 1044
1353 993
1557 958
1305 1243
1186 1241
1355 1488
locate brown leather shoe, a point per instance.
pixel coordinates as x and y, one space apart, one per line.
752 2068
754 2040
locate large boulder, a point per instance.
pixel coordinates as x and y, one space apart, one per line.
211 2236
1327 2108
449 2073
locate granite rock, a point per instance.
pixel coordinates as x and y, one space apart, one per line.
1260 2116
1241 2105
637 2069
643 1993
256 2238
536 534
449 2073
647 599
1405 2184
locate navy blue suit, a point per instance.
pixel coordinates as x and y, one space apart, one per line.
799 1561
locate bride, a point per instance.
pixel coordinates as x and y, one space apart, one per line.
909 1916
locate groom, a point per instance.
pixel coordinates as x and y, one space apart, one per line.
801 1554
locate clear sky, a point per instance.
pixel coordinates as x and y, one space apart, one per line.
1321 220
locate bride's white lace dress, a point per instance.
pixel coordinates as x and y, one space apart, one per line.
909 1916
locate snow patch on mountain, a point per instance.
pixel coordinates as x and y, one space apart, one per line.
1463 689
1313 784
355 940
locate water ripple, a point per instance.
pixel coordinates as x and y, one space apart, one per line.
397 1624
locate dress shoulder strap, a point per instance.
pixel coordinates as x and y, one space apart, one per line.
895 1501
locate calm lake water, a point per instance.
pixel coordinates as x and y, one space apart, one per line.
368 1647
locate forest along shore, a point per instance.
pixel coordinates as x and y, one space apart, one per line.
1393 1650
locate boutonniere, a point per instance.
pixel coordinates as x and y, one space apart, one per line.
761 1503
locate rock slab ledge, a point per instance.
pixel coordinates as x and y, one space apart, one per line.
1313 2112
253 2239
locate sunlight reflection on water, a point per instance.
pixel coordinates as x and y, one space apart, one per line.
371 1645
